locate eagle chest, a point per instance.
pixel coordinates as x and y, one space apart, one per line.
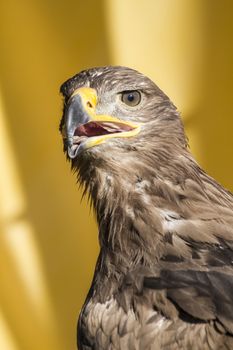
108 326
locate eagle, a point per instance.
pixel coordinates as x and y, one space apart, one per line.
164 275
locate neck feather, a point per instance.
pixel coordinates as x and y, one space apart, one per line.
130 194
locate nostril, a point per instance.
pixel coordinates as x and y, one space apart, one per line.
89 104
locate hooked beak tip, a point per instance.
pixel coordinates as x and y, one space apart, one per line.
72 151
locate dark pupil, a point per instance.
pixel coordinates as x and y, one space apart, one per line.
130 97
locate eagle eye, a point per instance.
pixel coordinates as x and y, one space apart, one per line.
131 98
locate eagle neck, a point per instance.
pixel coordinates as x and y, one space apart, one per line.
128 206
130 195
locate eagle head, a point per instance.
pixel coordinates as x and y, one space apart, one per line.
114 113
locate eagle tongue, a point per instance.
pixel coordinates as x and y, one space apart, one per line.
90 129
96 129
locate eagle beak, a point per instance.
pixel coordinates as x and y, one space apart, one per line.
83 128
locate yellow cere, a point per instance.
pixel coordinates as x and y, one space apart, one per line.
88 96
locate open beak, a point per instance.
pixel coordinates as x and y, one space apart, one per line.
84 129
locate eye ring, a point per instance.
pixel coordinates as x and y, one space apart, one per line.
131 98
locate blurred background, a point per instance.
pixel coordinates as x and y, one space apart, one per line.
48 239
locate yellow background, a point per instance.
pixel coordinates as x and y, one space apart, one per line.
48 240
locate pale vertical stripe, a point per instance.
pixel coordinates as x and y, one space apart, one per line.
18 238
12 202
18 234
6 337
